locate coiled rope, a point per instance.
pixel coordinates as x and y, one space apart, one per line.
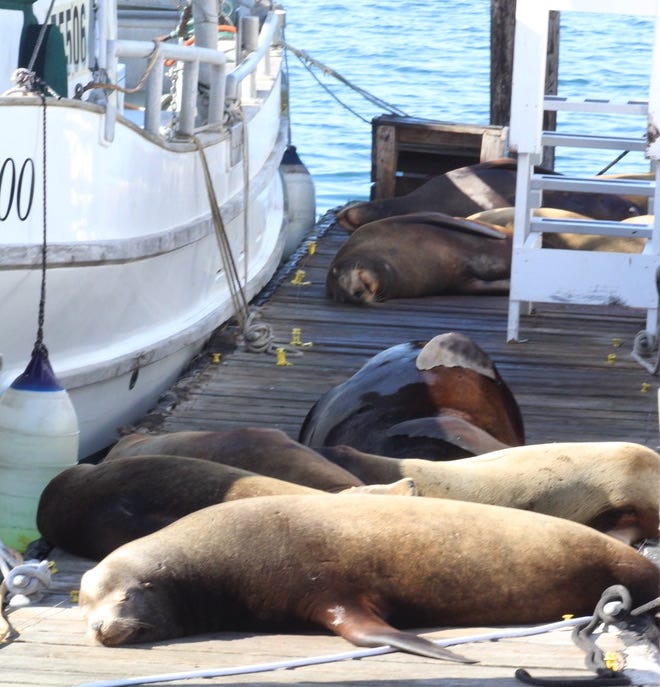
645 343
23 582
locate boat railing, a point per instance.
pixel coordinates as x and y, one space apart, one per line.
224 88
156 53
258 61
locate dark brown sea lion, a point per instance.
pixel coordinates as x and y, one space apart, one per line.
466 190
440 399
264 451
612 486
358 566
421 254
90 510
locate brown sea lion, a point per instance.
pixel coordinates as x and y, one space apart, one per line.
421 254
439 399
358 566
90 510
466 190
264 451
612 486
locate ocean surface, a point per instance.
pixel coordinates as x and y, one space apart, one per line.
432 60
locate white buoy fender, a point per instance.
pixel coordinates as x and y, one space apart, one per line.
38 439
299 200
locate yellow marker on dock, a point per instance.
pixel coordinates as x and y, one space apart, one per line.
298 279
281 357
295 339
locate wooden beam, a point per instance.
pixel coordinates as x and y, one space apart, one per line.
502 29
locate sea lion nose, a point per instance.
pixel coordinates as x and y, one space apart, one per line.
96 626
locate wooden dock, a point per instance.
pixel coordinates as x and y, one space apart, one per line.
573 378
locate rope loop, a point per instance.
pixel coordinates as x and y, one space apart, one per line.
27 82
257 337
28 582
645 345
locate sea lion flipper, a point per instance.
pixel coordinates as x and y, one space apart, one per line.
362 627
403 487
450 428
451 223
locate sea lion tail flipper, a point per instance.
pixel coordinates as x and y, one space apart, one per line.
362 627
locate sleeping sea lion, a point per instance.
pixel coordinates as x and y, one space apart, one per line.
421 254
357 566
264 451
439 399
466 190
612 486
90 510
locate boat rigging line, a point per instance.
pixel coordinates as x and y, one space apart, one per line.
257 337
308 62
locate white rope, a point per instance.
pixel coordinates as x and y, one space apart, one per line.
28 582
645 345
8 559
331 658
22 582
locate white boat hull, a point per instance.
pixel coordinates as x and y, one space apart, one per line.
135 283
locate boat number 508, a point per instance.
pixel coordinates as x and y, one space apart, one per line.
16 188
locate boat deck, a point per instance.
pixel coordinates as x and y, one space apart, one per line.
573 378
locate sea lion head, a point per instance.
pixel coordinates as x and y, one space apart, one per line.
357 282
115 601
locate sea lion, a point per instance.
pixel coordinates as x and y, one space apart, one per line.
264 451
612 486
504 217
353 564
90 510
466 190
421 254
439 399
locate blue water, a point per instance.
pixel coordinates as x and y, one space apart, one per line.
431 60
